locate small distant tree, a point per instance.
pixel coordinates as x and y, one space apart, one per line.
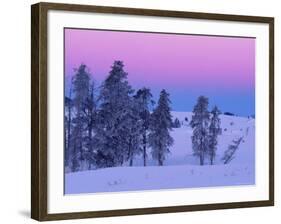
214 131
161 124
230 152
200 124
176 123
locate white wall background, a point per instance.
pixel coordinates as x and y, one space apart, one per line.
15 111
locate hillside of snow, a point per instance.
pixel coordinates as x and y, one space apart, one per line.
181 169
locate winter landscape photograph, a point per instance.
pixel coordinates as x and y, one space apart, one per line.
154 111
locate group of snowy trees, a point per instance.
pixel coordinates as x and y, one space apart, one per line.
110 125
206 128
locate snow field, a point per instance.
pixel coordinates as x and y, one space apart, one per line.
181 169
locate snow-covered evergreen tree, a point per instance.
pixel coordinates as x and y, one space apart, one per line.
214 131
91 118
68 110
67 130
200 125
160 126
80 89
112 132
144 103
230 152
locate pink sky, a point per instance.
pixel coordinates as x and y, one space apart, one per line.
175 62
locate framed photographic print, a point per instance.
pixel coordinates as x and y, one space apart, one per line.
140 111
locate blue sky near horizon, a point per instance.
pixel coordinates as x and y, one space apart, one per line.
187 66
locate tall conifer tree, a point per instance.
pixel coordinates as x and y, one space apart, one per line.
160 126
111 139
214 131
80 84
144 103
200 125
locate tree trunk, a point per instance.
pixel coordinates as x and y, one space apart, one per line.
160 160
89 165
90 136
201 159
74 163
212 159
144 150
67 147
90 145
66 150
130 153
68 159
201 152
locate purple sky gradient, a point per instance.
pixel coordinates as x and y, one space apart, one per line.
222 68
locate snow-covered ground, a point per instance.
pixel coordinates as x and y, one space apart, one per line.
181 168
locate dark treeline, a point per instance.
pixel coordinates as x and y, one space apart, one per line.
111 124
